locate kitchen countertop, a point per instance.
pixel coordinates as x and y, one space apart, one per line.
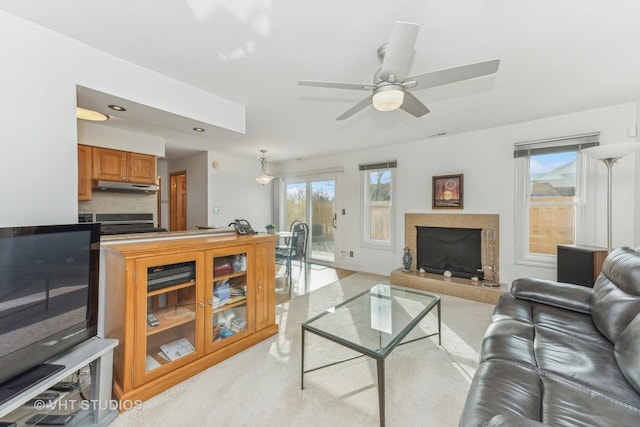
120 238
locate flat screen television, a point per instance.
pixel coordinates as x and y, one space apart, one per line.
48 295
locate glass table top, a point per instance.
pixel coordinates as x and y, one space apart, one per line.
375 321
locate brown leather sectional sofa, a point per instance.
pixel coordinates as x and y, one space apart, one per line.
560 354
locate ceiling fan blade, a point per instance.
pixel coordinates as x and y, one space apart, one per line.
399 53
451 75
413 106
359 106
336 85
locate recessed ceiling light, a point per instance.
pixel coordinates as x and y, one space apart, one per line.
94 116
198 129
117 107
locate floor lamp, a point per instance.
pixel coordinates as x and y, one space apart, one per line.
609 154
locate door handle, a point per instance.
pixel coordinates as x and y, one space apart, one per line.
335 220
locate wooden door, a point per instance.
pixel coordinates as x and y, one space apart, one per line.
84 172
178 201
109 165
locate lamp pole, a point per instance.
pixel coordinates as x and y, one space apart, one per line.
609 154
609 163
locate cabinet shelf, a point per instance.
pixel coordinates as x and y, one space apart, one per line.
171 288
233 302
171 317
229 275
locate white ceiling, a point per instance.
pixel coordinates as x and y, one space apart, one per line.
556 57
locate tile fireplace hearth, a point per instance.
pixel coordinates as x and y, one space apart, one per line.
454 286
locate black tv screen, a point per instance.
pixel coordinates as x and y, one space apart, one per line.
48 292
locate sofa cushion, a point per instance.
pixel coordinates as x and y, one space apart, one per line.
509 307
509 340
627 351
616 293
504 420
569 322
583 363
502 387
569 404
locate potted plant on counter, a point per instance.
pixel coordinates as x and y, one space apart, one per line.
271 228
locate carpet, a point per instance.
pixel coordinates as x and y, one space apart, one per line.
426 384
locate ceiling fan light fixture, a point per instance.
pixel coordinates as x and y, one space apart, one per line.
263 178
388 98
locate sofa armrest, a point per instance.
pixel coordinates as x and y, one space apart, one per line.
558 294
504 420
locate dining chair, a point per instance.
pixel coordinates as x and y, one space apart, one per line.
293 224
297 248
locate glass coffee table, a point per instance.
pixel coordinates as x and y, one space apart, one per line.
373 323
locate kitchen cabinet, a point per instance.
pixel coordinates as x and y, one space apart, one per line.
84 172
116 165
223 304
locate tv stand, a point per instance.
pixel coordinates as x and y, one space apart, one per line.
96 352
16 385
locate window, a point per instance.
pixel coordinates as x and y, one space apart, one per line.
378 213
550 196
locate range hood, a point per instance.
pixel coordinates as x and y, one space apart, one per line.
125 187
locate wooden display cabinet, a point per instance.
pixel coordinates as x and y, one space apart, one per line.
239 271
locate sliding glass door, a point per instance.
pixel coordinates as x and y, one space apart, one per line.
313 201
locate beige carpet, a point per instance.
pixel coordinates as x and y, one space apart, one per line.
426 384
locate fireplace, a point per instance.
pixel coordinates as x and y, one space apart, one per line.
456 250
486 290
490 236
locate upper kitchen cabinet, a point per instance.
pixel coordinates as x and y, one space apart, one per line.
116 165
141 168
84 172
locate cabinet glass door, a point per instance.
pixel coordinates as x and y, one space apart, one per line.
169 301
229 296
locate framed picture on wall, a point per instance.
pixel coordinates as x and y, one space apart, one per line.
447 192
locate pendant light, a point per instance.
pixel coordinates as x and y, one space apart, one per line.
264 178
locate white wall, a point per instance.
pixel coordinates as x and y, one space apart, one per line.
486 159
97 135
231 187
38 78
234 190
636 196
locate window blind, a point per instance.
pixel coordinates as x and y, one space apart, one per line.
380 165
556 145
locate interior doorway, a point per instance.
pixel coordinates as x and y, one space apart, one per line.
313 200
178 201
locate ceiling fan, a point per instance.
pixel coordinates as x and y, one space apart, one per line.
391 86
